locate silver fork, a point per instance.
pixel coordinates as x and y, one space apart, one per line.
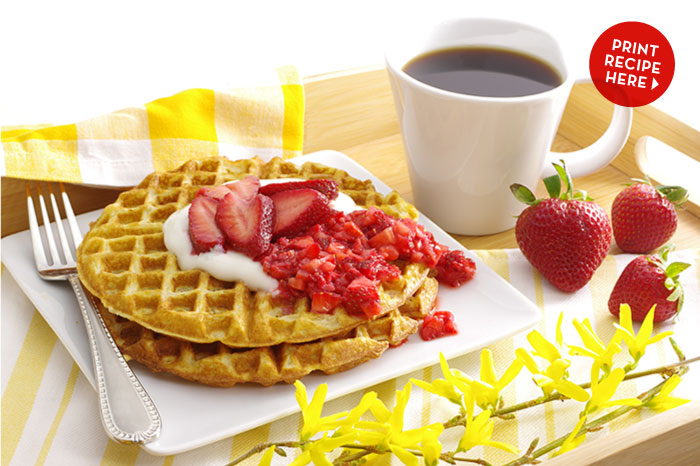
128 413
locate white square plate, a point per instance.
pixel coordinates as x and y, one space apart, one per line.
486 309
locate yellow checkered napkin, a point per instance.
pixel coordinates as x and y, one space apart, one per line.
121 148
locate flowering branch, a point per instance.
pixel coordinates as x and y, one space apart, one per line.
593 425
665 370
360 438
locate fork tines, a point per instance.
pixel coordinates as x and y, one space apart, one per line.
54 256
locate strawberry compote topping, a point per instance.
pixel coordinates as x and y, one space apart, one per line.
342 259
438 324
332 257
454 268
332 263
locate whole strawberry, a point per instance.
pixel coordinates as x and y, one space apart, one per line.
644 217
565 237
649 281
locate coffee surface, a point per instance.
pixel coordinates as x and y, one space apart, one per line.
481 71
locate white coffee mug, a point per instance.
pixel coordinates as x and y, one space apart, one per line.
465 151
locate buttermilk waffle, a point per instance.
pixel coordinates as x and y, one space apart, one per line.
219 365
123 261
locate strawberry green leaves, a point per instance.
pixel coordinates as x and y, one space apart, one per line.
554 185
672 271
676 194
523 194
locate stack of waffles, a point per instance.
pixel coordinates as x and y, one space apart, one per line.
188 323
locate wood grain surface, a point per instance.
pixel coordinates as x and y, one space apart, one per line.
353 112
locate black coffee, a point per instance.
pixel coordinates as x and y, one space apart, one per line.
481 71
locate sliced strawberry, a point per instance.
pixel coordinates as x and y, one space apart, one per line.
214 192
297 210
204 233
361 297
245 189
247 224
324 302
328 188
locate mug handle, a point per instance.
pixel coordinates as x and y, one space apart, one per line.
594 157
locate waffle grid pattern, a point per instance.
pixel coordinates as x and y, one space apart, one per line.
123 261
220 365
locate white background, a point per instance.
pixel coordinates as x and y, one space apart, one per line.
63 61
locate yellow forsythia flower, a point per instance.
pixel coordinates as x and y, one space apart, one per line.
663 400
430 445
311 412
315 452
388 433
593 347
347 424
553 377
487 390
543 348
478 430
602 391
637 344
440 387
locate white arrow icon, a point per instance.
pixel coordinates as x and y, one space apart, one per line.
654 83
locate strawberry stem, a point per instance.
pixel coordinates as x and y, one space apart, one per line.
566 179
664 251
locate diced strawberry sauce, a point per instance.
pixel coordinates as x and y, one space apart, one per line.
438 324
341 260
454 268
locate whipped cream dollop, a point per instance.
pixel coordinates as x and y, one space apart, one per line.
222 264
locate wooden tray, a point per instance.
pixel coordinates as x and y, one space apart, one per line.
353 112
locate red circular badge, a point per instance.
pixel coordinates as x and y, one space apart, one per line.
632 64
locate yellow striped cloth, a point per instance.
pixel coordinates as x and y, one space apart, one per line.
121 148
49 410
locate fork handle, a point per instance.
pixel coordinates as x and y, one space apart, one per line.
128 413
